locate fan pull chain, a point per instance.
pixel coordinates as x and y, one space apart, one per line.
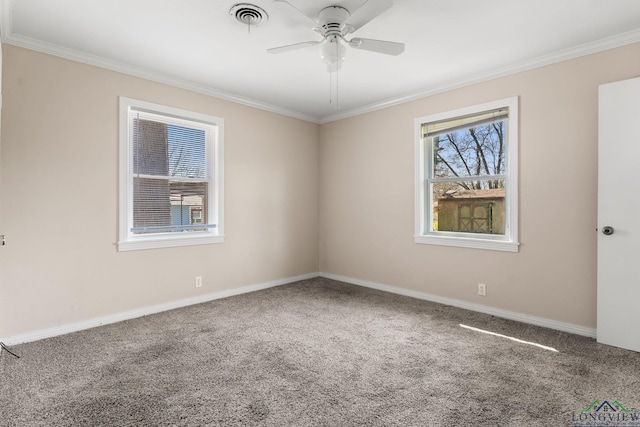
339 63
330 86
337 68
337 106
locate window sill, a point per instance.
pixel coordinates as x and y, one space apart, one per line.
468 242
167 242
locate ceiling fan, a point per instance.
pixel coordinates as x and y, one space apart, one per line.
334 23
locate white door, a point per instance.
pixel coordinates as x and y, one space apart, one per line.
619 209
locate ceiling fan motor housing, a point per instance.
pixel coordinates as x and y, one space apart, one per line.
333 20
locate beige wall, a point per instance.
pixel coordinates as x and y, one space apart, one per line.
367 195
59 153
58 197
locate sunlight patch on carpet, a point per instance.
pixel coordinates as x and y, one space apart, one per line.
510 338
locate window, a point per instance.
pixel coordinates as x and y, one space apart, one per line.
466 177
170 177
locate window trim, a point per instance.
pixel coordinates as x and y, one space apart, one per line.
127 241
507 242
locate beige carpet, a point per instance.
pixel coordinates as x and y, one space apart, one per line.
315 353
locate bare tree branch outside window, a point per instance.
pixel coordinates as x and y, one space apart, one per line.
469 153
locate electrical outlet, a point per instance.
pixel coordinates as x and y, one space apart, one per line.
482 289
198 281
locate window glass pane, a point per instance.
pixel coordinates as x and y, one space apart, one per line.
150 155
475 151
151 203
186 152
165 149
469 206
189 205
161 205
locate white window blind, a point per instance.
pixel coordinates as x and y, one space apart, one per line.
461 123
169 172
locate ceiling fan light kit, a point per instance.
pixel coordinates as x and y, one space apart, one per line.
333 53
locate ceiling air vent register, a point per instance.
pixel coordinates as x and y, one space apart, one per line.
249 14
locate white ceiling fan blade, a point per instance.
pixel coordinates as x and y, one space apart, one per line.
287 48
368 11
379 46
311 20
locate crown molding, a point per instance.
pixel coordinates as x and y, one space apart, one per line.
5 22
120 67
529 64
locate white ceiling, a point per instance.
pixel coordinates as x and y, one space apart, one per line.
198 45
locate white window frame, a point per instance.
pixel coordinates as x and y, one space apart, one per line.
424 232
127 240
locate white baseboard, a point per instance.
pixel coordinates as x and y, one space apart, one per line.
118 317
511 315
145 311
